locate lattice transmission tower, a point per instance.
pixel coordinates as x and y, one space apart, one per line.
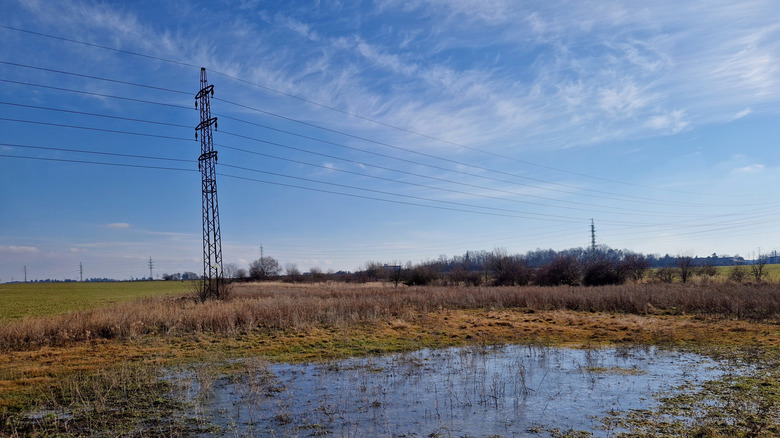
212 240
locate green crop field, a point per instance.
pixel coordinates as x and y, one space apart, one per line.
39 299
773 271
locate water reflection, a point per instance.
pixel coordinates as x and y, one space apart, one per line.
506 391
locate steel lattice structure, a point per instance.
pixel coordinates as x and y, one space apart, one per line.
212 240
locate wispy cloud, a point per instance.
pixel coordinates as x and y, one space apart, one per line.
19 249
753 168
744 113
118 226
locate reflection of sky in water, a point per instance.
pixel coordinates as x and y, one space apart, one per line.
508 390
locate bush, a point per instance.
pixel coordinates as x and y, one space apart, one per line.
462 275
665 275
509 271
421 275
563 270
602 272
738 273
634 266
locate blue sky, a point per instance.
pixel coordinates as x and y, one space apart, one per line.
385 130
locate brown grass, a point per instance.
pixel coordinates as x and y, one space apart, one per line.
285 307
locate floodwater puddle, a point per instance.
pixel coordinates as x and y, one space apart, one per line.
505 391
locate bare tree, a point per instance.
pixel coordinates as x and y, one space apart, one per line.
634 266
686 266
292 273
229 271
508 270
373 271
316 275
602 271
665 274
563 270
758 268
264 268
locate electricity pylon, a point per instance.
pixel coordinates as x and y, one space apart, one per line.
212 240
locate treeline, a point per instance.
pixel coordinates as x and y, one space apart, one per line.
574 267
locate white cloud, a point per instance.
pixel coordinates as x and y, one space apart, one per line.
118 225
744 113
621 101
753 168
19 249
673 122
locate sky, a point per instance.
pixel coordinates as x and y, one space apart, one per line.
385 130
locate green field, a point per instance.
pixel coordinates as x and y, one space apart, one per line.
40 299
773 271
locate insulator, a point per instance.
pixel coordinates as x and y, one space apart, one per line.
196 103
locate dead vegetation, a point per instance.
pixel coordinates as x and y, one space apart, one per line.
290 307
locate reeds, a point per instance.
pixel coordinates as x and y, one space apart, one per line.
283 307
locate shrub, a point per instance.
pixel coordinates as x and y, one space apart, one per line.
509 270
665 274
633 266
738 273
563 270
602 272
421 275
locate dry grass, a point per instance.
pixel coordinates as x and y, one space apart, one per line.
286 307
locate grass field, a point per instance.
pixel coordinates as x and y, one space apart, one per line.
773 271
96 351
42 299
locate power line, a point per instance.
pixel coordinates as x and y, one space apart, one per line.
556 217
371 197
397 181
64 160
127 52
460 172
458 163
309 101
186 107
90 93
643 200
388 179
99 78
83 113
82 151
88 128
333 143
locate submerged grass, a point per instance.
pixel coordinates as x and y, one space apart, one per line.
745 402
329 321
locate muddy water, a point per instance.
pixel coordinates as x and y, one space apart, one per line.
501 391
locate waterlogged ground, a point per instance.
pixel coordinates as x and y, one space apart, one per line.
502 391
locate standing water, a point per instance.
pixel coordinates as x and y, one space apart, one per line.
504 391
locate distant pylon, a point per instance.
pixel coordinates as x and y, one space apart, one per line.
592 236
212 240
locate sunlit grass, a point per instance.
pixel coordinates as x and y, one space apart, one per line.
295 323
41 299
